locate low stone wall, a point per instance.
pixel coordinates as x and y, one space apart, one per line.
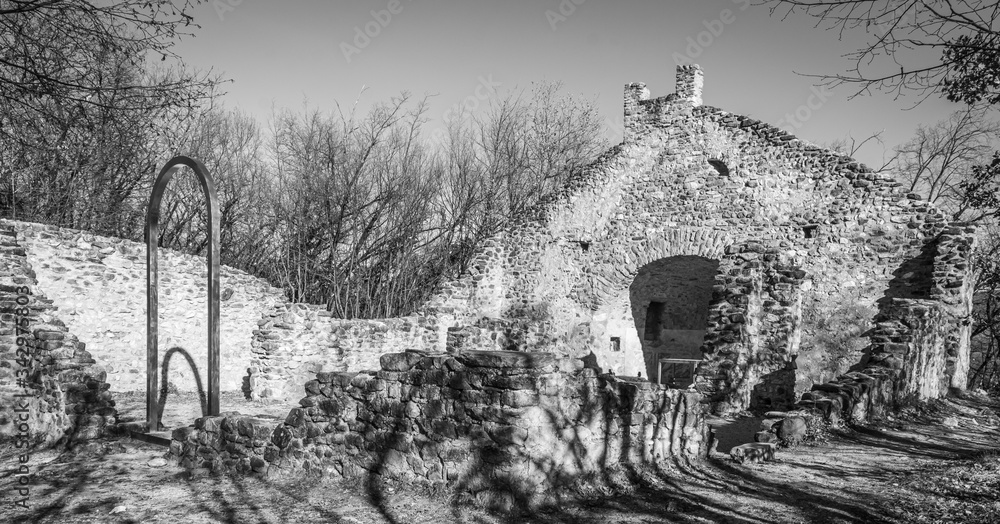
99 285
50 388
294 342
856 396
517 424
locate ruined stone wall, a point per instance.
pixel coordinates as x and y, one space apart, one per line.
510 423
293 342
693 181
99 285
50 387
808 243
919 346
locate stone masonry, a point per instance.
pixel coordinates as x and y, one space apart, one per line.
51 389
99 286
781 237
513 425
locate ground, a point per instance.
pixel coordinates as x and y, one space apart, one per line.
935 463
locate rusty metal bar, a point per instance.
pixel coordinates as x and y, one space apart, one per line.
153 415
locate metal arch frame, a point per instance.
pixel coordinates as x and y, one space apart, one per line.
152 282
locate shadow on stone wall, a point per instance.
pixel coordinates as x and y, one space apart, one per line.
914 278
505 429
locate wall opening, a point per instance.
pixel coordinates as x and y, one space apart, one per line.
719 166
654 321
810 231
669 299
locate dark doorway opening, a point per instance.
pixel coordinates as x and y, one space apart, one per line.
669 299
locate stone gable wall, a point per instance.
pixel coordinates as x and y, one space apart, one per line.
99 285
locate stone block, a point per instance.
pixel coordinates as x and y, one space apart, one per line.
765 436
753 452
792 429
506 359
399 361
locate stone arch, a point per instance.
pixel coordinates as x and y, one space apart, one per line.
152 274
607 295
705 243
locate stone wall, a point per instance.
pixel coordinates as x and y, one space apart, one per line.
293 342
99 285
512 424
919 346
50 388
805 239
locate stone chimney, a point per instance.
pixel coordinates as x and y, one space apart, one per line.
634 93
690 80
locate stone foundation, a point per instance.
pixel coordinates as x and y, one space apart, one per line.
475 421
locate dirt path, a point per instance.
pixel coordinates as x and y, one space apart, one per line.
929 465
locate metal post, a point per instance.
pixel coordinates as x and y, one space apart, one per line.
152 298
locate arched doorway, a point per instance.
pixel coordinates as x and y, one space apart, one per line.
669 299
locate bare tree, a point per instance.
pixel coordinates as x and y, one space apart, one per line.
918 46
230 144
81 109
56 48
940 159
850 146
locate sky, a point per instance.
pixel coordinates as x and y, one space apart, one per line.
315 53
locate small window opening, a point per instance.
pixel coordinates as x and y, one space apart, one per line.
584 245
653 314
810 231
720 166
616 344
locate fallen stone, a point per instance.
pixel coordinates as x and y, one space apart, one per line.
505 359
399 361
765 436
753 452
768 424
158 462
792 429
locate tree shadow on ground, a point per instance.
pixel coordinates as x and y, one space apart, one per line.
230 499
663 489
